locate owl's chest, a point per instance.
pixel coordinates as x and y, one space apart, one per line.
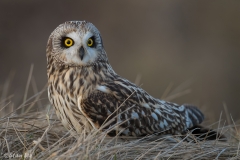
62 102
60 96
65 103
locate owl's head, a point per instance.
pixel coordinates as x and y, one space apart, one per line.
76 43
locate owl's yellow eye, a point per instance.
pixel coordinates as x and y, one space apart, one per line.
68 42
90 42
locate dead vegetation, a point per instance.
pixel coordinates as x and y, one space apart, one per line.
39 135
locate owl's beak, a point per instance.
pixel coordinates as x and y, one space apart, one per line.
81 52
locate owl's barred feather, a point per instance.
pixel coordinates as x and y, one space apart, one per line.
86 92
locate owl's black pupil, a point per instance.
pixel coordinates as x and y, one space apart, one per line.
68 42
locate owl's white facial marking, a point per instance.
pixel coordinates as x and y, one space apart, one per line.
74 54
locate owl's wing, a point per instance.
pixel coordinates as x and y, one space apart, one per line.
131 110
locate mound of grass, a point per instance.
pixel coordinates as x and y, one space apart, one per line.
40 135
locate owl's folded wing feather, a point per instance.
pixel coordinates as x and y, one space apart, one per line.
134 112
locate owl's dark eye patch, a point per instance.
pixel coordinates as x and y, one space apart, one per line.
91 42
67 42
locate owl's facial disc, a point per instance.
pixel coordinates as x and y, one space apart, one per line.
77 43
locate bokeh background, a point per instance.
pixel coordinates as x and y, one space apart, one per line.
163 44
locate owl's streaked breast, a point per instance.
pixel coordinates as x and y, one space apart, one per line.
64 86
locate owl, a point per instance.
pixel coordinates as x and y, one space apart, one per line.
87 93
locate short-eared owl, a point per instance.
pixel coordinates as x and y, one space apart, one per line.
87 92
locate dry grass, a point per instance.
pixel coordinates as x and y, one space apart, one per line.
42 136
29 134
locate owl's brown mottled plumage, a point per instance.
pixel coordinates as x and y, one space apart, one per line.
84 89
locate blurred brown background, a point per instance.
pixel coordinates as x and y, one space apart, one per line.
166 42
